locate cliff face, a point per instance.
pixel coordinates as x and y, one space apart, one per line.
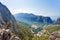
58 21
6 18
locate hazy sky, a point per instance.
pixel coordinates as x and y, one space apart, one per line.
38 7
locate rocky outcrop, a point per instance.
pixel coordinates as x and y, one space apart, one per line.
7 18
55 36
7 34
8 27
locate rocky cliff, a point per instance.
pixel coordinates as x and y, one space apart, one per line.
6 18
58 21
8 27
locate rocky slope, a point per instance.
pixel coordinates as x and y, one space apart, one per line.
55 36
7 18
8 27
7 34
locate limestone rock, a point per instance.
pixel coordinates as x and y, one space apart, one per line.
6 18
55 36
7 34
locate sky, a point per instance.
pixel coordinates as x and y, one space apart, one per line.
38 7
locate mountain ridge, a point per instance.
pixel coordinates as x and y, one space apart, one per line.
33 18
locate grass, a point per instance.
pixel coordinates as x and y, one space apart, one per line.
52 28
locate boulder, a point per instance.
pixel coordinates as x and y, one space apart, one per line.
7 34
55 36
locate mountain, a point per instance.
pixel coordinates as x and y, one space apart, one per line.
25 17
58 21
6 18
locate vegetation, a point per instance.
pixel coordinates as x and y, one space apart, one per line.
52 28
24 31
43 37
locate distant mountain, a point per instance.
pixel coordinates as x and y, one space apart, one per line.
58 21
25 17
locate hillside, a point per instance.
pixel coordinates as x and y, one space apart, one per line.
6 17
8 27
52 28
24 31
